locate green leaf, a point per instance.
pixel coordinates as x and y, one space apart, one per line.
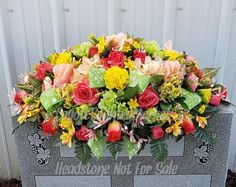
132 148
190 99
129 93
96 144
138 78
209 72
114 148
96 77
156 80
83 152
159 150
165 106
204 135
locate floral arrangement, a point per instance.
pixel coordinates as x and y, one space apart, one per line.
119 91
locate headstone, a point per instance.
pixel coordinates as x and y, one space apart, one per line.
190 162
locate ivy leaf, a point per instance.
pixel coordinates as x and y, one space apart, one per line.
132 148
129 93
209 72
83 152
159 149
96 144
204 135
114 148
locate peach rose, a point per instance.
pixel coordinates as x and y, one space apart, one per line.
63 73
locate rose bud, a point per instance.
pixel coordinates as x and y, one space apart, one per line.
114 131
192 82
83 133
215 100
93 51
149 98
50 127
41 70
188 125
139 54
157 132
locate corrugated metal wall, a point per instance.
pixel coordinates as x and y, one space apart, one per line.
31 29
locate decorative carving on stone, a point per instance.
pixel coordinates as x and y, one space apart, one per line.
37 144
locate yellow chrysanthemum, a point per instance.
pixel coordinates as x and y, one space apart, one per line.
171 54
175 128
66 138
133 104
116 77
64 58
130 64
202 121
68 124
101 44
136 45
53 58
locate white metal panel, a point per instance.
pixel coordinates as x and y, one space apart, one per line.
34 28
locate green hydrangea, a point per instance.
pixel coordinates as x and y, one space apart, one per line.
151 115
122 111
81 50
170 89
83 111
152 48
108 103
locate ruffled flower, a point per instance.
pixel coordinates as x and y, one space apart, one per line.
116 77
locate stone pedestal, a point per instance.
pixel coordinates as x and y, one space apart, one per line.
190 162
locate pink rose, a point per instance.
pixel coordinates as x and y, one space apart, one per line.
42 69
149 98
63 73
85 95
139 54
157 132
115 58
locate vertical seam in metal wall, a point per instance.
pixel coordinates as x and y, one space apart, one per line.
223 36
149 20
76 20
93 17
8 81
167 26
39 28
23 35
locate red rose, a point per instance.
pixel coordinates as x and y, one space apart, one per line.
85 95
93 51
50 127
157 132
83 133
115 58
114 131
188 125
139 54
215 100
41 70
149 98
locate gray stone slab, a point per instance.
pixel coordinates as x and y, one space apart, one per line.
69 181
173 181
38 157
